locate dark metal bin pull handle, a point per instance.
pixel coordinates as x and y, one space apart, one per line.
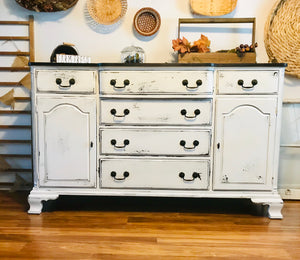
241 83
184 113
113 82
195 143
114 175
58 81
195 175
114 143
114 112
185 83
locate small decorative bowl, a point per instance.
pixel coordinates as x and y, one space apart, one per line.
146 21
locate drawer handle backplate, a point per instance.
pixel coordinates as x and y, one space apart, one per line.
241 83
114 143
114 112
196 113
113 82
195 176
114 175
59 81
183 143
185 83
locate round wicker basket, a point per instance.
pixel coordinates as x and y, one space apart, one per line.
47 5
146 21
107 11
282 35
212 7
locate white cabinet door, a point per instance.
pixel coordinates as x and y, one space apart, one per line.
244 143
66 141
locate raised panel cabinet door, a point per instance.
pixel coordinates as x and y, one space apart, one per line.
244 143
66 141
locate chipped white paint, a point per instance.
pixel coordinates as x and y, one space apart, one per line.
151 133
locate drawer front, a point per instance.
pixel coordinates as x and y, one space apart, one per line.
247 82
155 142
66 81
154 174
156 112
156 82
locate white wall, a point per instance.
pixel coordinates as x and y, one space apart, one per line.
104 44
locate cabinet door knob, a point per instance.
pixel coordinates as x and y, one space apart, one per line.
113 82
114 112
194 176
114 143
241 83
58 81
183 144
196 113
114 175
225 179
185 83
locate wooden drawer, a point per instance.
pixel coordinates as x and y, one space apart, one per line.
66 81
154 174
156 111
156 82
247 82
149 141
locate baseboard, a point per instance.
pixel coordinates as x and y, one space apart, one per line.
289 194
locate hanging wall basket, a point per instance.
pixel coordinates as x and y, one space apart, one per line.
212 7
282 35
47 5
107 12
146 21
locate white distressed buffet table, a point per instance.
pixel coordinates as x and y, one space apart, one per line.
165 130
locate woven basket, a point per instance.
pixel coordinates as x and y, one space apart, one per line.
47 5
282 35
107 11
212 7
146 21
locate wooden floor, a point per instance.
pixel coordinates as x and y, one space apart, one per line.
146 228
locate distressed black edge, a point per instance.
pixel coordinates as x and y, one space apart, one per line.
159 64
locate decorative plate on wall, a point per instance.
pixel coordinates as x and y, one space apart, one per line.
47 5
213 7
107 11
146 21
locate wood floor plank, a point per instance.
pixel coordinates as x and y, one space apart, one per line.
151 228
